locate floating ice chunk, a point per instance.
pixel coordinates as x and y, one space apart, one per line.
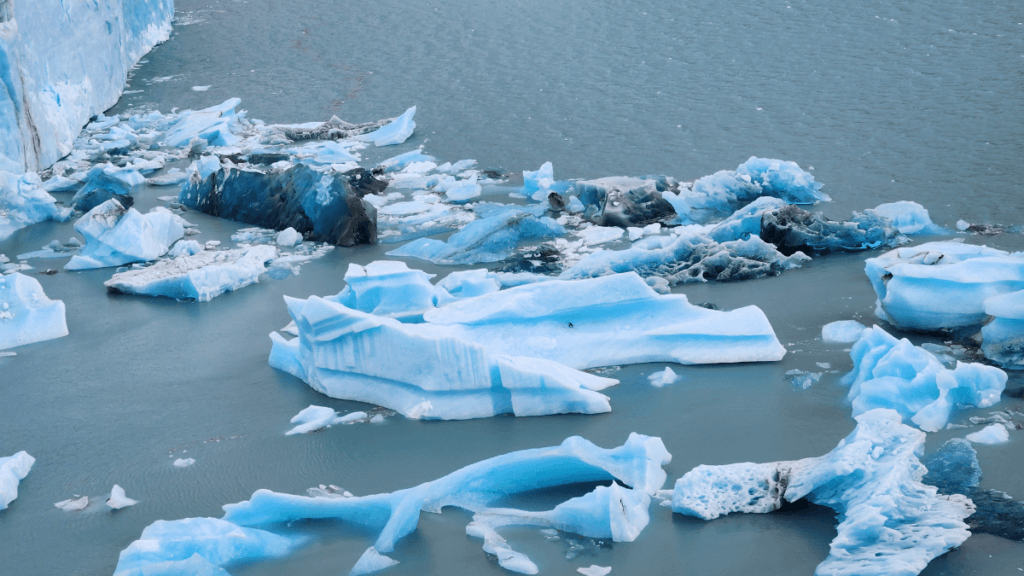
802 379
941 285
494 544
991 434
595 570
489 239
184 462
745 221
201 277
396 132
115 236
909 217
537 184
599 234
605 321
118 499
311 419
13 469
23 202
792 229
624 201
402 160
200 88
26 314
891 373
842 331
891 523
666 376
371 561
348 354
464 190
388 288
962 225
73 505
216 125
1003 337
104 182
289 237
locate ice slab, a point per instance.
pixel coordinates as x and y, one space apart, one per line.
24 202
118 500
941 285
891 373
842 331
1003 337
115 236
595 570
184 462
991 434
13 469
216 126
200 277
26 314
395 132
890 523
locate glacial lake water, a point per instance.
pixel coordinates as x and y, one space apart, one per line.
918 102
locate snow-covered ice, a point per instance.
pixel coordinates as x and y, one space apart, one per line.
890 523
891 373
118 499
23 201
991 434
13 469
26 314
115 236
842 331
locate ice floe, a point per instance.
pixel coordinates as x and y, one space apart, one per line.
13 469
24 202
319 417
892 373
908 217
792 229
665 377
26 314
73 504
991 434
842 331
395 132
118 500
890 523
115 236
184 462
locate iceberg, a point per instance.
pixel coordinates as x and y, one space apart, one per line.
23 201
325 207
118 500
13 469
104 182
792 230
73 504
61 63
538 184
1003 337
115 236
26 314
991 434
842 331
216 126
200 277
891 373
395 132
941 285
184 462
665 377
389 288
399 162
909 218
624 202
891 524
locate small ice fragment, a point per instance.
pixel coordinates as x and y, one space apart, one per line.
184 462
289 237
803 380
549 532
200 88
824 365
843 331
371 561
71 505
991 434
118 500
962 225
595 570
377 419
313 418
352 418
666 376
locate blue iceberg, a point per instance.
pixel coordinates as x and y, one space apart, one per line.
396 132
909 218
24 202
115 236
26 314
104 182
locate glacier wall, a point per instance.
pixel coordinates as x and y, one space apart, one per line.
62 62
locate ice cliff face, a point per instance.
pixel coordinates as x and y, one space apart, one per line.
62 63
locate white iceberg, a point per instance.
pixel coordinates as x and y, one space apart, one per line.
115 236
73 504
319 417
23 201
396 132
26 314
216 126
665 377
201 277
890 523
991 434
288 237
13 469
118 500
1003 337
595 570
941 285
842 331
184 462
891 373
909 217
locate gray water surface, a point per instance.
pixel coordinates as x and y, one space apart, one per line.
918 102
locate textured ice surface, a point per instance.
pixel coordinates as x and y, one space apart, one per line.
371 561
26 314
215 125
1003 337
941 285
991 434
23 201
891 524
908 217
395 132
792 229
62 63
389 288
13 470
842 331
623 201
891 373
106 181
200 277
118 499
115 236
666 376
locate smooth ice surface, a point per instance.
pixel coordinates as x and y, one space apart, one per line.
62 63
289 237
991 434
115 236
890 523
73 504
908 217
396 132
200 277
26 314
842 331
371 561
118 499
941 285
24 202
605 321
1003 337
891 373
13 470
